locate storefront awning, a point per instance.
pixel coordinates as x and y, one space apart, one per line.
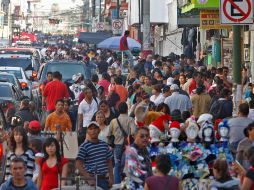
93 37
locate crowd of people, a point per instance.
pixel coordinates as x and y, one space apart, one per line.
167 115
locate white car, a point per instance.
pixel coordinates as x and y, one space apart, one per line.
21 76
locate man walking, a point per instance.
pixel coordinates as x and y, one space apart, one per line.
53 91
95 158
58 119
125 48
18 180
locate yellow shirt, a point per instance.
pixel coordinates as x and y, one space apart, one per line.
54 120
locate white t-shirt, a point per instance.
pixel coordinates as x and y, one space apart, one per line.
157 100
88 110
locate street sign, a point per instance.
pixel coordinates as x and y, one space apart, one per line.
210 19
117 26
100 26
236 12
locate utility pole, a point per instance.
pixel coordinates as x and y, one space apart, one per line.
100 12
93 16
118 8
237 66
146 28
140 13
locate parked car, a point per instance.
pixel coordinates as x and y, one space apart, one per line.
10 98
66 68
25 83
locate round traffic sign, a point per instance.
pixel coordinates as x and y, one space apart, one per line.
244 14
117 24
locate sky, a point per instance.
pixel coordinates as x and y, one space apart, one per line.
45 5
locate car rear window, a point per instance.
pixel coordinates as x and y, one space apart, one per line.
25 63
7 78
17 73
67 70
5 91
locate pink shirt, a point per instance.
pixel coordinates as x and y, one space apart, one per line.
105 84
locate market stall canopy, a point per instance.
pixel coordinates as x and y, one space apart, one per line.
93 37
114 43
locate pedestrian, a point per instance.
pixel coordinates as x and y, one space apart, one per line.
35 139
19 148
223 180
95 158
87 108
125 47
157 96
247 176
52 166
18 180
104 129
244 145
162 180
59 119
140 152
105 82
24 112
116 128
71 113
109 113
200 101
223 107
119 89
177 100
53 91
237 126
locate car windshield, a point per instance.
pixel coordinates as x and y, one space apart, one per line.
67 70
5 91
17 73
7 78
25 63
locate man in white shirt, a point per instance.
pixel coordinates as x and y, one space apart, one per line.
86 109
177 100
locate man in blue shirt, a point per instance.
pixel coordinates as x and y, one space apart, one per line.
95 158
18 180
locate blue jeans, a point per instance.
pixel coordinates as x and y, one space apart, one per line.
130 57
103 183
118 152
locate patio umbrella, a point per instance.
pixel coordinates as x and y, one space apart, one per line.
114 43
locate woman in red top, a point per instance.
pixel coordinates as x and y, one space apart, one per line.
51 166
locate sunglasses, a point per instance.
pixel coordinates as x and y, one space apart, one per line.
142 136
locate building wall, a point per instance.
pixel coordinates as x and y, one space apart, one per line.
158 11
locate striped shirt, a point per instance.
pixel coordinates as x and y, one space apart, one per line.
95 156
28 157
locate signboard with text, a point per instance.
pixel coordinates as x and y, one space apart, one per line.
210 19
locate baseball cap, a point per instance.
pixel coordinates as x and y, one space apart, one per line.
93 123
174 87
35 125
170 81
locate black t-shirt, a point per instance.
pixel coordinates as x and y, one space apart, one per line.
102 67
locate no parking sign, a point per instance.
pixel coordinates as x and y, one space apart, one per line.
236 12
